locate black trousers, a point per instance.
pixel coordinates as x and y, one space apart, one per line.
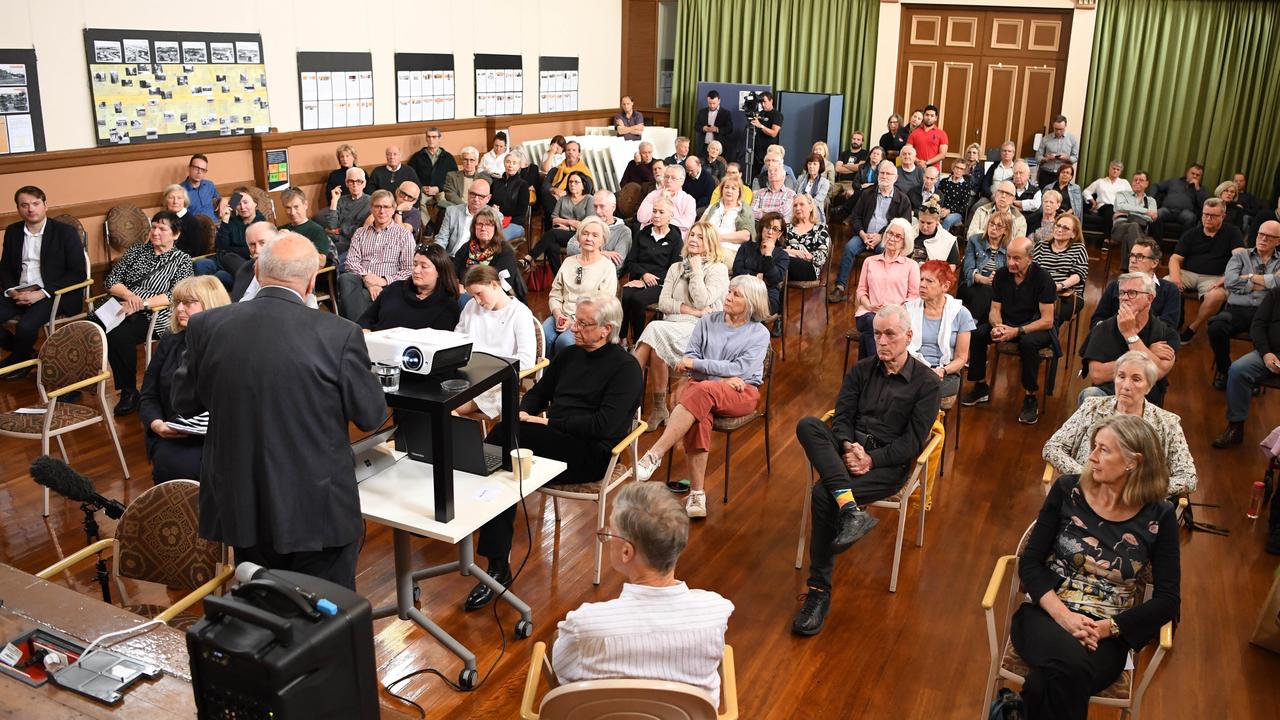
122 349
635 304
586 463
1063 673
21 342
801 270
1231 320
1065 308
1106 212
550 245
977 298
174 458
827 458
865 325
335 564
1029 347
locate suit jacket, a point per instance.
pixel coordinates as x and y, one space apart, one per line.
865 208
455 229
453 192
61 261
724 125
280 382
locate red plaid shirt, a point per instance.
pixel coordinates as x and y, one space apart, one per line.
386 253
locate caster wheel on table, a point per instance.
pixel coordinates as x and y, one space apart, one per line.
467 679
417 597
524 629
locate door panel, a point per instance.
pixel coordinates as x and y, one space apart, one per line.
1000 90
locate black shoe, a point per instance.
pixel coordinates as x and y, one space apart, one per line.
854 522
1219 380
1187 334
1030 412
817 603
72 397
128 403
1232 436
481 595
979 394
776 330
19 373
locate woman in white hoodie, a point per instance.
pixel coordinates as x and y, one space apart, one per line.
940 325
933 241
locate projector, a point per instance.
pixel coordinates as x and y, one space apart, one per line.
423 351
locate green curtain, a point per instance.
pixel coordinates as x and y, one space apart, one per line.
822 46
1173 82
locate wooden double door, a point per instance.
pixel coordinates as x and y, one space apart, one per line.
995 75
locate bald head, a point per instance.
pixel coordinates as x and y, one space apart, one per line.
393 157
1268 237
1019 256
288 261
257 235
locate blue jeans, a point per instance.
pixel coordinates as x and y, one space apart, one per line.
951 220
513 231
1244 374
209 266
852 250
1091 391
556 340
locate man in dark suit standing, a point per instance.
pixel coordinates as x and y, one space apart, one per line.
713 123
280 382
40 257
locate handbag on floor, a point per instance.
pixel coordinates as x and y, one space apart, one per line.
1007 706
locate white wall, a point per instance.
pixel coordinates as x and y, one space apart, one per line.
529 28
1077 73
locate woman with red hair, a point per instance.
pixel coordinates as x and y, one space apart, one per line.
940 325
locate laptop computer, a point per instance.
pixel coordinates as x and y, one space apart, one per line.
471 454
372 456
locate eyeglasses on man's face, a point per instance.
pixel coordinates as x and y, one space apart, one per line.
1131 294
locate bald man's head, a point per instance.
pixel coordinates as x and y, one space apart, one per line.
1019 255
289 261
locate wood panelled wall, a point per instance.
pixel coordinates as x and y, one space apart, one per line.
639 52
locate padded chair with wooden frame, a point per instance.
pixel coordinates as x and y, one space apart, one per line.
918 479
152 338
729 425
624 699
1007 665
157 541
82 287
74 357
598 491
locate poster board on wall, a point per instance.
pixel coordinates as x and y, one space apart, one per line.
499 85
335 89
557 84
424 87
151 85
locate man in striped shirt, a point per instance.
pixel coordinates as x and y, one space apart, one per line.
657 629
380 254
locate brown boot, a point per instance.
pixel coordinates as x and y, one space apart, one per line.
1232 436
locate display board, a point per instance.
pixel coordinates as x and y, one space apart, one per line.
335 89
21 127
557 84
150 85
424 87
499 85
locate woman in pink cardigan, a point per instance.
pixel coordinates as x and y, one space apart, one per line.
890 278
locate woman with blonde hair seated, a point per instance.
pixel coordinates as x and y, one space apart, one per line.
807 241
725 363
692 288
731 216
174 443
1069 448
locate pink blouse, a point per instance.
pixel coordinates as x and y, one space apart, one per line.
888 282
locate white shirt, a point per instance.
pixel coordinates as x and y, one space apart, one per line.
31 245
508 333
493 164
1104 190
711 120
252 291
1000 174
651 633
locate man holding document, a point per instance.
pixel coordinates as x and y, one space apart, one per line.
40 257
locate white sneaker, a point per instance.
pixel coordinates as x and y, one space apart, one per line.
696 505
646 466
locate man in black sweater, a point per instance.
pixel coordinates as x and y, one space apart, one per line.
432 164
590 391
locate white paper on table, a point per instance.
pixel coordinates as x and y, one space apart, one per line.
308 86
366 112
366 83
110 314
487 493
404 86
324 86
310 115
21 137
326 115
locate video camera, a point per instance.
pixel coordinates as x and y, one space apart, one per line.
751 105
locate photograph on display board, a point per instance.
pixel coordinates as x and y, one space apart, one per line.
21 127
168 52
194 53
13 74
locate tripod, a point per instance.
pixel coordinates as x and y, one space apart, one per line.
749 169
91 535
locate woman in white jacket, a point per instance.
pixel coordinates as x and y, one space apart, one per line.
940 326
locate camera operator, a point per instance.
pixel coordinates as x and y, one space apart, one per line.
768 124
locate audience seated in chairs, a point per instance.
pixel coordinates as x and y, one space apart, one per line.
976 168
510 193
928 188
658 628
774 156
457 184
1144 257
681 153
202 192
1056 149
1069 448
294 202
1065 184
655 249
1259 365
255 237
556 184
827 169
569 211
693 287
890 278
176 443
910 172
347 158
1098 540
849 167
1101 194
766 259
1179 200
733 170
487 247
941 326
407 196
433 164
1250 273
886 407
590 393
714 160
640 168
176 200
683 208
1005 196
1022 302
1133 328
1026 194
698 183
492 163
1050 211
230 249
933 241
806 239
869 213
1229 195
427 298
28 283
498 324
998 171
725 363
346 212
955 194
142 280
1199 261
983 256
587 273
618 244
380 254
731 216
773 195
1067 261
456 222
1135 211
894 138
391 175
814 182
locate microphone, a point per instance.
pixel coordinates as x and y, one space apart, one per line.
62 479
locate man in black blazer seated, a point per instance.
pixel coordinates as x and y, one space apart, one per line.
40 257
280 382
713 123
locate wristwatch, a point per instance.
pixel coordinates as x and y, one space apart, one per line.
1133 339
1115 629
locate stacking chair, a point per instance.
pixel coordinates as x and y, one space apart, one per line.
156 541
1047 361
80 288
780 316
73 357
1007 665
624 699
266 205
598 491
729 425
921 472
804 286
152 339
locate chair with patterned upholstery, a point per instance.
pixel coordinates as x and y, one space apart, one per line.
208 235
598 491
157 541
266 205
1007 665
74 357
126 225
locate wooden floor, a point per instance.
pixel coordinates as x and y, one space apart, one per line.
918 653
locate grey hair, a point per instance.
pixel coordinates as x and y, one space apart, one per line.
908 234
289 269
608 197
717 144
176 188
608 312
469 151
1139 358
756 294
1051 193
896 311
676 168
1148 282
652 520
591 220
1009 144
645 144
355 172
694 159
520 153
1023 163
889 164
270 228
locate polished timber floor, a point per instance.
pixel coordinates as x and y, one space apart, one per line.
918 653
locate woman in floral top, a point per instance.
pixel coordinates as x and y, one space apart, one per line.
1101 538
807 241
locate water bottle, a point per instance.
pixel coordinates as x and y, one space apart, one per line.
1255 501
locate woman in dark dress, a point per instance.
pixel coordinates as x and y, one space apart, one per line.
766 258
653 250
428 298
510 193
338 178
